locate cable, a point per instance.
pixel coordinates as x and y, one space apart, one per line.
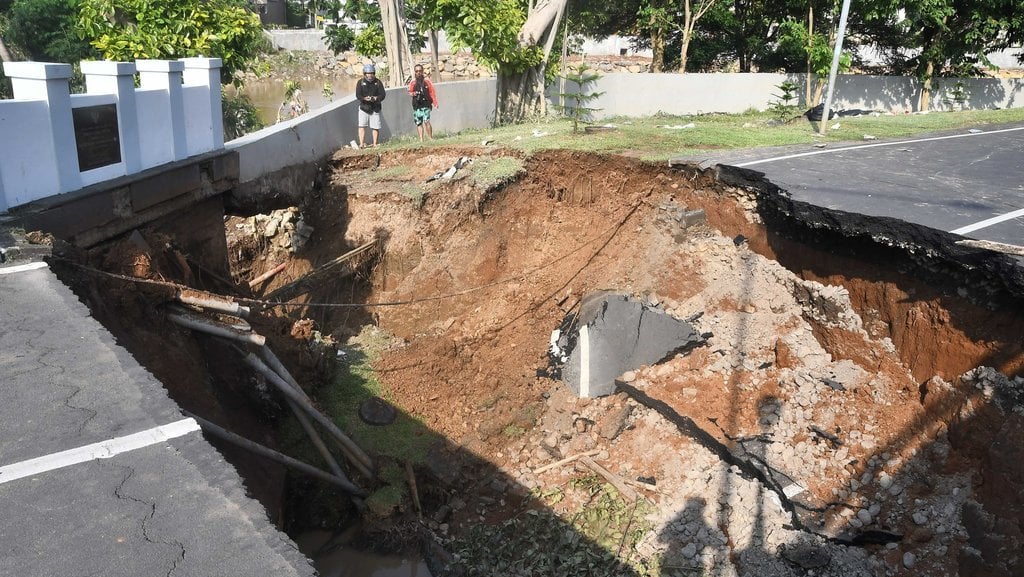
272 304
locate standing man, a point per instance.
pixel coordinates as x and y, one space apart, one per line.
369 92
423 98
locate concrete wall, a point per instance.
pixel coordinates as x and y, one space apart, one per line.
314 136
649 94
306 39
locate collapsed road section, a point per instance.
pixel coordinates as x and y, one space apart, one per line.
837 393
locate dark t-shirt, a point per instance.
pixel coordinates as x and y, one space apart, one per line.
366 88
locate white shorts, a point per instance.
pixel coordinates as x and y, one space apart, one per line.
368 119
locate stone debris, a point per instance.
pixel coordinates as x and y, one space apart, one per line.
284 229
830 486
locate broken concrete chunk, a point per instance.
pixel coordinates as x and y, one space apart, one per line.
612 334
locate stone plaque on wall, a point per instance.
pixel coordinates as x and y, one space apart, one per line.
96 136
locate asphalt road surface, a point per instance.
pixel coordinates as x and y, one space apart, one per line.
966 182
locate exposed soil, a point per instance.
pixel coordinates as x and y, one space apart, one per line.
836 411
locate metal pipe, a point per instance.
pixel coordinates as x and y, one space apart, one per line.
269 453
356 455
205 326
277 366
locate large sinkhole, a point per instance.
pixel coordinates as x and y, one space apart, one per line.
853 409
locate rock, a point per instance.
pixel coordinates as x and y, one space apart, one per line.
689 551
909 560
920 518
614 422
864 516
807 555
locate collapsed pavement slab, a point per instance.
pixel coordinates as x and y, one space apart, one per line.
611 334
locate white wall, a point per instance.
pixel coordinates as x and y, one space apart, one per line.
649 94
162 121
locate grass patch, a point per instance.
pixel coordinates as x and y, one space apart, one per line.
490 174
400 172
407 439
660 137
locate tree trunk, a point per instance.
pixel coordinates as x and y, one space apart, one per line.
935 38
658 50
687 33
396 42
435 66
926 86
521 94
690 18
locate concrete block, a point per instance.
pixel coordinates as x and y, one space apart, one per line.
613 334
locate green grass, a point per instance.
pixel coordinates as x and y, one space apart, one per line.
649 139
493 173
406 439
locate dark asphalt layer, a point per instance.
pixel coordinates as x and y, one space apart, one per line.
171 508
945 181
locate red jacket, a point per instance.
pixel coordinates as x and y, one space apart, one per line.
427 91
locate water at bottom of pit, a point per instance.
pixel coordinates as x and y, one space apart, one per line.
332 557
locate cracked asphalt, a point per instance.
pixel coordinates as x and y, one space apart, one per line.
170 508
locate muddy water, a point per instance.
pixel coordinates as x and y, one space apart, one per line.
332 558
267 94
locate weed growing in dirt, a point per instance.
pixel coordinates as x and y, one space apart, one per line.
495 173
597 537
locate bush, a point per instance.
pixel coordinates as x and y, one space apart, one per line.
240 116
784 108
340 38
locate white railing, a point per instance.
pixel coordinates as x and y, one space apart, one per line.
53 142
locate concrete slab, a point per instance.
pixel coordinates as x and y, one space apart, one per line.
615 333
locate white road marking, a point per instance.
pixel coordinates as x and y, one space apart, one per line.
896 143
584 343
102 450
989 222
22 267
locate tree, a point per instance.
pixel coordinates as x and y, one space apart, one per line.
396 41
945 37
514 38
43 31
578 110
127 30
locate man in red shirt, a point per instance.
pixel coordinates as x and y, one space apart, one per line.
423 99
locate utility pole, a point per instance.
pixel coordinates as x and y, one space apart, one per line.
835 67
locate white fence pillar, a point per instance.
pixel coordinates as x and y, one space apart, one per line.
118 78
48 82
165 139
204 123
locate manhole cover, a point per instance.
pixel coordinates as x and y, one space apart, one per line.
377 411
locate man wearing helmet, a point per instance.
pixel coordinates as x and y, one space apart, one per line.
369 92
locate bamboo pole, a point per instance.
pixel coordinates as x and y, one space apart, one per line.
625 490
231 308
268 274
564 461
269 453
